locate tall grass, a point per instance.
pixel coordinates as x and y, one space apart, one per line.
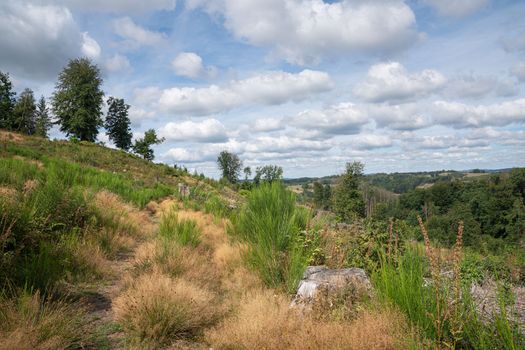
48 205
33 322
442 310
157 310
185 232
272 223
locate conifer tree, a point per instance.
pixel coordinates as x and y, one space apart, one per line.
24 113
7 101
42 119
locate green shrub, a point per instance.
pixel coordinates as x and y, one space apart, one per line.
271 222
186 232
214 205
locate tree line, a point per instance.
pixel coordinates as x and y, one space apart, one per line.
76 105
231 165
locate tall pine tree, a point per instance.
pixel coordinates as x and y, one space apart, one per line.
24 113
42 120
78 98
7 101
118 124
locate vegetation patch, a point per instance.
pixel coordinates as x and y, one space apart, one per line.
157 309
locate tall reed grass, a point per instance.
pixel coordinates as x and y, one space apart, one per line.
272 224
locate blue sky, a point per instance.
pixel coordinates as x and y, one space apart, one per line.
304 84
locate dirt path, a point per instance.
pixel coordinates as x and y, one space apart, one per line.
98 299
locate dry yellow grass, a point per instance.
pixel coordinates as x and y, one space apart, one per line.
212 235
156 309
228 256
265 321
35 162
128 219
29 322
8 192
168 257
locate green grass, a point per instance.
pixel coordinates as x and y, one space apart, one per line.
272 223
51 208
185 232
402 284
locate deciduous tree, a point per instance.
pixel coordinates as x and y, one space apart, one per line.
268 173
348 199
118 124
78 98
143 145
230 166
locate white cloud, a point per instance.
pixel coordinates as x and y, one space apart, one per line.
188 64
90 47
303 31
137 115
37 41
407 116
455 8
208 130
514 42
267 124
146 95
391 82
460 115
370 141
117 63
284 144
269 88
477 86
126 6
341 119
518 70
127 29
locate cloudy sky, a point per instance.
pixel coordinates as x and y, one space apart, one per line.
304 84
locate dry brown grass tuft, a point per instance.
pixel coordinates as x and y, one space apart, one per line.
265 321
92 259
228 256
170 258
152 207
30 322
129 220
156 309
35 162
30 186
6 136
8 192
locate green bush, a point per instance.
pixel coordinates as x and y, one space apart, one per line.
186 232
272 223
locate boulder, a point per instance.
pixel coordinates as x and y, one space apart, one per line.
323 288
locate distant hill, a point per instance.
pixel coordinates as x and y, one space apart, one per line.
403 182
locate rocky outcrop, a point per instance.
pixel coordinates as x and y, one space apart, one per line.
324 288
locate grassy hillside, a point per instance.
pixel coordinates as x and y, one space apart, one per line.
100 251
